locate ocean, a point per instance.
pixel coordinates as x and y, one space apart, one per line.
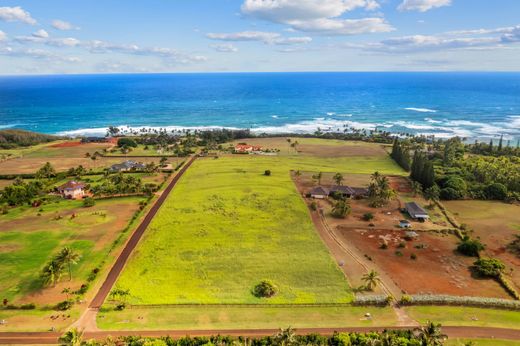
473 105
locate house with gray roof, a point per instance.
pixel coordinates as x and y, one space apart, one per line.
127 166
416 212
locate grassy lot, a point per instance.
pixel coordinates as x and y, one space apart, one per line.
463 316
214 317
233 227
37 320
140 151
29 240
482 342
496 224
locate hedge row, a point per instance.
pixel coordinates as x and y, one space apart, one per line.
460 301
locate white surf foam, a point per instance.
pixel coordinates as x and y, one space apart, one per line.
421 110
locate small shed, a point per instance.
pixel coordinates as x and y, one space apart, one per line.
319 192
405 224
416 212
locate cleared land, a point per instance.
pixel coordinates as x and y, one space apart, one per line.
496 224
466 316
29 237
223 229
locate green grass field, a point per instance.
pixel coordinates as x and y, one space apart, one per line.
29 240
463 316
215 317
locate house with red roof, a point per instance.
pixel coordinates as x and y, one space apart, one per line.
72 189
244 148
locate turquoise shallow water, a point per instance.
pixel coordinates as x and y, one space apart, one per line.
480 105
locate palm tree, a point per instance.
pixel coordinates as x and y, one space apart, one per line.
285 337
73 337
338 178
51 273
371 280
68 256
431 334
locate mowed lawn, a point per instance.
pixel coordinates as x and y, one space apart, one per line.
29 237
239 317
226 227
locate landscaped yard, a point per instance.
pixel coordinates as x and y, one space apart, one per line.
218 317
29 237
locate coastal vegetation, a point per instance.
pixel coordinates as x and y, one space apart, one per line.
10 139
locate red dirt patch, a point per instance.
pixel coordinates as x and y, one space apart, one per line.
66 144
438 269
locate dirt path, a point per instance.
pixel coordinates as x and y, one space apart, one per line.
134 240
452 332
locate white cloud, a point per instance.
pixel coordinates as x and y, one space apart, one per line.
260 36
463 39
224 48
16 14
320 16
63 25
3 36
41 34
345 26
40 54
244 36
422 5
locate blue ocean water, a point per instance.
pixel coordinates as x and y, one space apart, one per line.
471 105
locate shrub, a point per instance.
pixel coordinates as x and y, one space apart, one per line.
398 253
341 209
413 256
89 202
64 305
470 247
126 142
496 191
384 246
314 206
368 216
405 299
489 267
267 172
29 306
265 289
450 194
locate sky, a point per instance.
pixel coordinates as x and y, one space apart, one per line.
138 36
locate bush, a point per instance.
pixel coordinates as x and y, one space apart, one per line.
89 202
267 172
489 267
368 216
496 191
460 301
126 142
470 247
265 289
314 206
64 305
29 306
413 256
450 194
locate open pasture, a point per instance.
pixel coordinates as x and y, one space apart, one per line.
229 317
496 224
29 237
223 229
62 157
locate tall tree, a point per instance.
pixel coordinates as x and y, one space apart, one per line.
338 178
68 257
371 279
